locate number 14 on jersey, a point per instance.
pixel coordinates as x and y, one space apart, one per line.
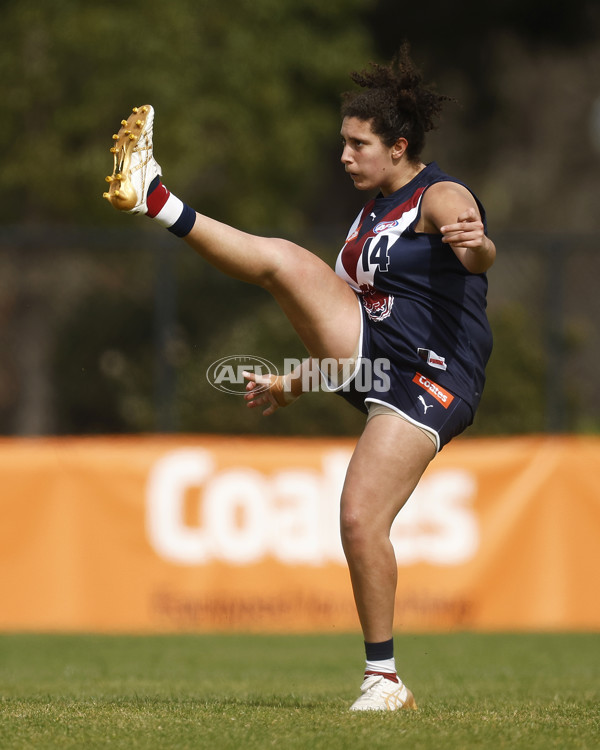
375 255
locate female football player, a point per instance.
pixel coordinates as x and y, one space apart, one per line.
402 315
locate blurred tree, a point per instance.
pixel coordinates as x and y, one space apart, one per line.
513 398
247 99
525 75
246 93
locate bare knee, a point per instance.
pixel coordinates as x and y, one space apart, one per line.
358 530
282 260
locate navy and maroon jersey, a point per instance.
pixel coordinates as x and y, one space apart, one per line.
422 309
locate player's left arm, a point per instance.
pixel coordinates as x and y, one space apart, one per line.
451 210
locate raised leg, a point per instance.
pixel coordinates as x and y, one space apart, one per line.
321 307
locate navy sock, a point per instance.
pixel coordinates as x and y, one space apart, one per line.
185 222
380 651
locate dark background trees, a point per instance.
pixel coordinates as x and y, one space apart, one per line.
247 97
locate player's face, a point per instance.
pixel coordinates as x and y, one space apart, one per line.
365 158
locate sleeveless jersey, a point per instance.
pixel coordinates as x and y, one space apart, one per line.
424 311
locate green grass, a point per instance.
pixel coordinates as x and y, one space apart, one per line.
249 692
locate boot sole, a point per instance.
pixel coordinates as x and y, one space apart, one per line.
121 193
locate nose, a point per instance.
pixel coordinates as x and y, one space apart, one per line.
346 156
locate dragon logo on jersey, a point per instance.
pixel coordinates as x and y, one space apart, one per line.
378 306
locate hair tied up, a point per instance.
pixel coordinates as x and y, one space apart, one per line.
396 100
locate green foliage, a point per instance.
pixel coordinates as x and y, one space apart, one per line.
514 397
106 350
247 100
247 96
527 692
245 93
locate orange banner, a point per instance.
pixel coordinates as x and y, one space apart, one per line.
208 533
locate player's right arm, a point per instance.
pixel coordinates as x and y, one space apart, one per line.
281 390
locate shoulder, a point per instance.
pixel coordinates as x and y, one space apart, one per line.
443 201
447 190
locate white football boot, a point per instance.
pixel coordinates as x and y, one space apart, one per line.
134 163
381 694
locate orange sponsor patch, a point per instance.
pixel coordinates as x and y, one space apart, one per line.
435 390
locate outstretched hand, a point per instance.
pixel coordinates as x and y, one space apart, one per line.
264 389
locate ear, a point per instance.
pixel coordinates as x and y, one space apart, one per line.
399 148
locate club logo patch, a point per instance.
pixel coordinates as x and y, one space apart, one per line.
378 306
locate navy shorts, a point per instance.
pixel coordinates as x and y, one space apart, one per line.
412 393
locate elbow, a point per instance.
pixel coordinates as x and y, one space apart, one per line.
479 265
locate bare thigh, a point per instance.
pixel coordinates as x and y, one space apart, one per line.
321 307
387 464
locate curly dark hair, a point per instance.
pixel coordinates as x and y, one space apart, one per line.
396 102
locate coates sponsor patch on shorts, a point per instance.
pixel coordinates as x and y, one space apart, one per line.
383 225
439 393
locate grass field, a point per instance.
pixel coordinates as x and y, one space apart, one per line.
249 692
